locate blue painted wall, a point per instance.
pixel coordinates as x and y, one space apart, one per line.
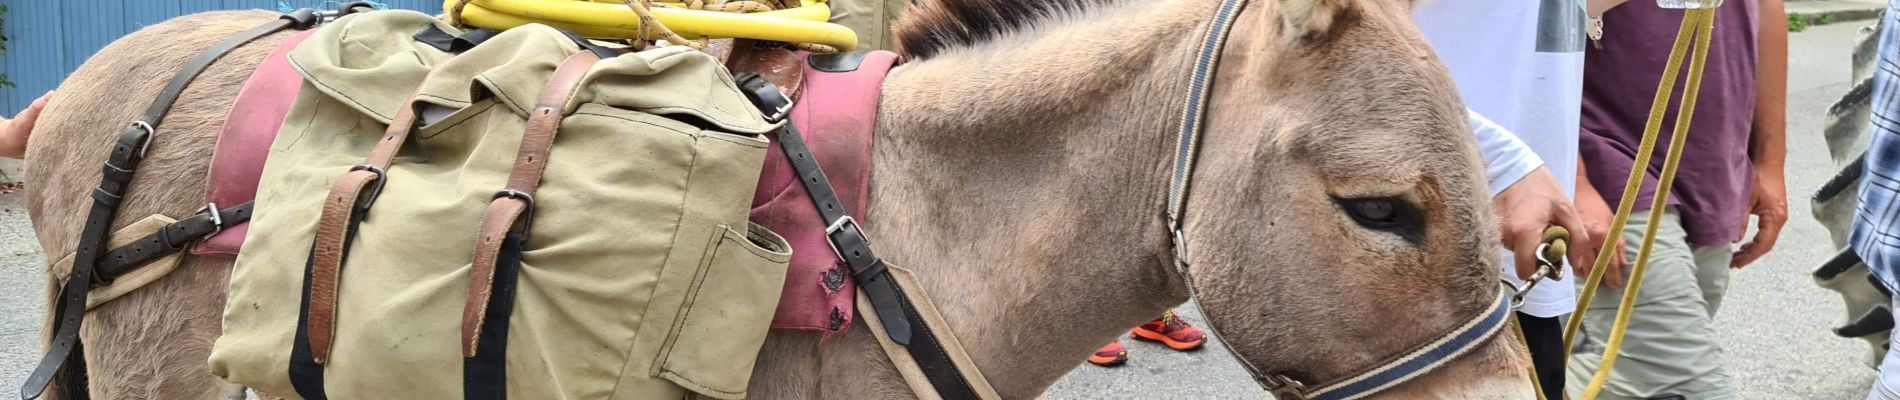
48 39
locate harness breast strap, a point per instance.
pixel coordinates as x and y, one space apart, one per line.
902 323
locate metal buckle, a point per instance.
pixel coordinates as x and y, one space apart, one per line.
1285 388
526 222
217 221
753 86
781 112
363 203
1556 268
1545 269
1180 248
839 226
150 133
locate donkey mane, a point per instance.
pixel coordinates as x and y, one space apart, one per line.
931 26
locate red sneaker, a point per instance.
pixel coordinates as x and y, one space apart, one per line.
1111 355
1172 331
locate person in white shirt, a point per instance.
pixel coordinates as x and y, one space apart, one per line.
1519 68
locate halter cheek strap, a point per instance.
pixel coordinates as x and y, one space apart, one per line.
1413 363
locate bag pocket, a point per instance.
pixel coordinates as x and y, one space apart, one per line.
723 322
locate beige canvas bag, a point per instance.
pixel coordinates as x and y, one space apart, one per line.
638 276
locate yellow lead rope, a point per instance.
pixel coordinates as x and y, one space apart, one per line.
1700 23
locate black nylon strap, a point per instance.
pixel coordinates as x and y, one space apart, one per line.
901 321
173 238
485 376
306 375
123 163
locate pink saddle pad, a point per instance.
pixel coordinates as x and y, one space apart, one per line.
252 124
837 114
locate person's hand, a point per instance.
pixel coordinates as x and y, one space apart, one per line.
1526 208
13 132
1597 218
1768 202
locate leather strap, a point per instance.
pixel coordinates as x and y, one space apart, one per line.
901 322
174 237
344 208
512 209
121 165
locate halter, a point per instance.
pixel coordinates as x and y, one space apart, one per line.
1413 363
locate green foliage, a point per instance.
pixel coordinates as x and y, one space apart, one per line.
4 82
1797 23
1824 19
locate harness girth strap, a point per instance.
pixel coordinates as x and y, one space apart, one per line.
120 167
902 323
173 238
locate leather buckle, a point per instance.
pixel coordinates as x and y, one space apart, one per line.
770 100
217 220
150 133
363 203
840 225
526 222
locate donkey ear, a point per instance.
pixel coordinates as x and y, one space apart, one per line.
1308 20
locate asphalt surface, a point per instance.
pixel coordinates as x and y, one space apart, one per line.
1774 323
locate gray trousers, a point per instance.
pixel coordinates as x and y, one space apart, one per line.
1669 349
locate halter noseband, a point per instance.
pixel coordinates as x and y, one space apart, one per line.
1398 369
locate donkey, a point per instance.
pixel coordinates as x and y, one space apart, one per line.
1339 214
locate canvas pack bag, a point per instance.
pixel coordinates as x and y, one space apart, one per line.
524 219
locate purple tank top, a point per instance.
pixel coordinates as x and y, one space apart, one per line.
1712 183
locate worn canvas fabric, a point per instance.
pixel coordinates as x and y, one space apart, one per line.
642 278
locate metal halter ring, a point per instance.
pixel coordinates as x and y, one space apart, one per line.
526 221
1285 388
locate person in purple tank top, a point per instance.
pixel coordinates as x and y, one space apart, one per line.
1731 171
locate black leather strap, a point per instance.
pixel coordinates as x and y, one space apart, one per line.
174 237
901 321
123 163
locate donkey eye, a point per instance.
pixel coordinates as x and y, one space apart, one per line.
1376 213
1373 210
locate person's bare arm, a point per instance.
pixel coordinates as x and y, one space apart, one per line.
1597 218
1597 7
1768 144
13 132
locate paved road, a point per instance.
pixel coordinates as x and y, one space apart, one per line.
1774 323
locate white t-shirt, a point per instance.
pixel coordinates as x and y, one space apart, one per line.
1519 63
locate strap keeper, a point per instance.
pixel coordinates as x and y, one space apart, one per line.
116 174
302 18
99 194
870 273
